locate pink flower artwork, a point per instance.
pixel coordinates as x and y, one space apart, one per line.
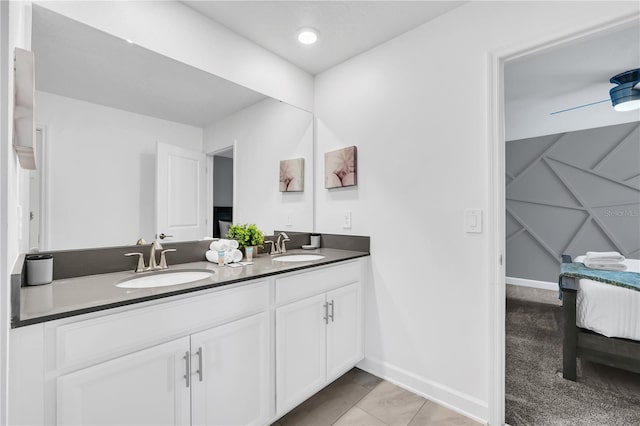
292 175
340 168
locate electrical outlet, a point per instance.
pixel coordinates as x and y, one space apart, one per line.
346 220
289 221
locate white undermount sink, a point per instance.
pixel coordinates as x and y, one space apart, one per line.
298 257
164 279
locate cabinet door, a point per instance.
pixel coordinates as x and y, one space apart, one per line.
300 351
344 331
143 388
233 373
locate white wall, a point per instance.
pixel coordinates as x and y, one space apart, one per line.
264 134
422 159
101 171
14 32
527 119
174 30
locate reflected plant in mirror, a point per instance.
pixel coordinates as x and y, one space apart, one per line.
128 137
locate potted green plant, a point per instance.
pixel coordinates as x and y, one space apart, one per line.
247 235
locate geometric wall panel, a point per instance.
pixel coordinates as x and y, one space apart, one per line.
571 193
525 259
524 153
593 189
624 160
534 185
586 147
537 217
623 222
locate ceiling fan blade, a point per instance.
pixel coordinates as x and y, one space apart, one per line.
579 106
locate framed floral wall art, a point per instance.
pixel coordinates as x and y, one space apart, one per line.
292 175
340 168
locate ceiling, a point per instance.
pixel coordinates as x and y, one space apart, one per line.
346 28
78 61
574 73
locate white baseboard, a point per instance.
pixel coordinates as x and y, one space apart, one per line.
452 399
544 285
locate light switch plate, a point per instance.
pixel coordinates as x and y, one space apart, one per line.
473 220
346 221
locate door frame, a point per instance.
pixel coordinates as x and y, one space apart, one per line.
210 187
497 197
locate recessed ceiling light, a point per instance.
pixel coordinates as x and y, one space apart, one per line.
129 41
307 35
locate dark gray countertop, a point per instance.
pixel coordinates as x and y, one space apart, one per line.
74 296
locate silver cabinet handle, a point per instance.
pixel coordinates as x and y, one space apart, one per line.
200 372
326 313
162 236
187 376
332 311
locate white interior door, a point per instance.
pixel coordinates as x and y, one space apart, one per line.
181 196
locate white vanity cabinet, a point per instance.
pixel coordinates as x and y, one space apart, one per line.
220 376
241 354
143 388
318 330
202 358
234 376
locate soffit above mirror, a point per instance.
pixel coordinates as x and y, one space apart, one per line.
76 61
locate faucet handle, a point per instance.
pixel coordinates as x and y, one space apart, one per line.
140 267
273 245
163 259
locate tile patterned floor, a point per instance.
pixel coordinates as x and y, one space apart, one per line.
361 399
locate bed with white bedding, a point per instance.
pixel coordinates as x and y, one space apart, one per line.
609 310
601 322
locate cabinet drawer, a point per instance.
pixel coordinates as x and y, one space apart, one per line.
105 337
306 284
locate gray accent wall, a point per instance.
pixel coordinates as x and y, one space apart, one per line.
222 181
571 193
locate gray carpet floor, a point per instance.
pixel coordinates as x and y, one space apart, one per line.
536 393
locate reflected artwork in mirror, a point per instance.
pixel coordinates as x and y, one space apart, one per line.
105 106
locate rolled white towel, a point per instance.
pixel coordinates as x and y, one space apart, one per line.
220 245
233 244
604 257
606 266
212 256
237 255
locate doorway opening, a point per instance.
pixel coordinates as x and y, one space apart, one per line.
548 211
223 168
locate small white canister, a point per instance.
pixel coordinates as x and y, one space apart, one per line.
39 269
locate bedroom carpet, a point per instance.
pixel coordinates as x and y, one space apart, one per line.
536 393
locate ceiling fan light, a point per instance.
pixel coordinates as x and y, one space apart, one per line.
629 105
307 35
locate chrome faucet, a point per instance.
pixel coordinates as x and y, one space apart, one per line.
155 245
280 246
153 265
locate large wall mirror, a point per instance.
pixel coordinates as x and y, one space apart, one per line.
135 144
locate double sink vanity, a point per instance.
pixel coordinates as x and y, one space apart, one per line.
216 346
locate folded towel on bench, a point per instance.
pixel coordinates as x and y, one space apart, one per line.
606 266
604 257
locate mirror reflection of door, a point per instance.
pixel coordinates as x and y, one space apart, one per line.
222 192
181 201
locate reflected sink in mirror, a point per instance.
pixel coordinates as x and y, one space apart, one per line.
164 279
298 258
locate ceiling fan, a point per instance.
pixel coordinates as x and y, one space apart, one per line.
625 96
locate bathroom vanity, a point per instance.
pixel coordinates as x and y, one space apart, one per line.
244 346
